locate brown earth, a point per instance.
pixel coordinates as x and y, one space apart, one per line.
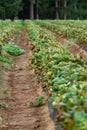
22 87
75 49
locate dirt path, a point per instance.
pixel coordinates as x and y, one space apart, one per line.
23 89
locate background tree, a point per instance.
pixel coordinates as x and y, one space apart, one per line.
32 9
47 9
65 9
10 8
43 9
57 8
37 9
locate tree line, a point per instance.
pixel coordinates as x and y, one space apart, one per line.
43 9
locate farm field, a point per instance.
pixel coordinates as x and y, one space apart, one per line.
75 30
43 74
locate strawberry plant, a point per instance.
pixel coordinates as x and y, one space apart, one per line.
67 28
65 78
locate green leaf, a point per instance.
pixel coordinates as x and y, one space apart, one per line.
80 116
13 49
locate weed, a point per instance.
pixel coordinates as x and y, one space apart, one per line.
1 122
20 68
32 80
6 94
39 102
5 67
3 105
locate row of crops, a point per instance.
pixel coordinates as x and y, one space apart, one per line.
8 29
9 32
63 75
71 29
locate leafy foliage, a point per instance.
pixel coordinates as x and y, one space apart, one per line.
5 58
72 29
10 9
13 49
63 75
68 9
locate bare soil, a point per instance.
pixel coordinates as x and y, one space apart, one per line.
23 88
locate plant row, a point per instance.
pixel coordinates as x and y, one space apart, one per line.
8 29
9 32
76 30
62 75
